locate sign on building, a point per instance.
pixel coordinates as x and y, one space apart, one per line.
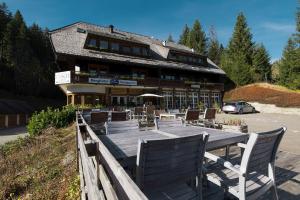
112 81
62 77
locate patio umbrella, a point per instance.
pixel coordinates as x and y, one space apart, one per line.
151 95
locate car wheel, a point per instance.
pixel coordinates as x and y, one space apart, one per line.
241 111
225 112
253 110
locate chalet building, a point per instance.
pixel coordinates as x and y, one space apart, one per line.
103 65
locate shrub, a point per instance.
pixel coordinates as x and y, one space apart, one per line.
51 117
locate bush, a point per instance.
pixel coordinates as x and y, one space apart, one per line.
51 117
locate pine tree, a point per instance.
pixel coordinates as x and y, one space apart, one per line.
5 17
197 39
237 58
183 39
261 64
214 51
289 68
170 38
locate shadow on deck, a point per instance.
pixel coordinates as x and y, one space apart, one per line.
287 169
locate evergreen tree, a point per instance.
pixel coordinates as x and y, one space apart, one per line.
5 16
170 38
197 39
183 39
261 64
289 68
237 58
214 51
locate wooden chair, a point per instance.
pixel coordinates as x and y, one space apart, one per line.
97 120
165 166
99 117
121 126
191 116
158 112
208 119
118 116
255 175
138 113
167 123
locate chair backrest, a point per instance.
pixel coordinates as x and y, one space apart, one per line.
261 151
99 117
138 110
167 123
150 110
210 113
176 160
118 116
122 126
158 112
192 115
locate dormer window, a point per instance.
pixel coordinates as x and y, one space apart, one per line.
92 42
103 45
126 49
145 52
136 50
114 46
108 44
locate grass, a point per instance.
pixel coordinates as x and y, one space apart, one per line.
265 93
41 167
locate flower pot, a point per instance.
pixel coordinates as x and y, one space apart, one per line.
235 128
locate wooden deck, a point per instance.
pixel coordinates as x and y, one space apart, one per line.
287 173
121 183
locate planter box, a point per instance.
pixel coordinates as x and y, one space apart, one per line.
236 129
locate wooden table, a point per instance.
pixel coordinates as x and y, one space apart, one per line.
124 145
167 115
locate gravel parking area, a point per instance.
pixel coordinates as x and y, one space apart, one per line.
10 134
267 121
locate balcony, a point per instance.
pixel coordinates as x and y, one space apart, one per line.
114 79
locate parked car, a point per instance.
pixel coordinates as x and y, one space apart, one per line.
238 107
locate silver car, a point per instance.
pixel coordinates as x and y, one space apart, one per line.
238 107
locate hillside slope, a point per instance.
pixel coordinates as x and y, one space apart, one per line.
41 167
265 93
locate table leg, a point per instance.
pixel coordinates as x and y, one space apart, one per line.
227 148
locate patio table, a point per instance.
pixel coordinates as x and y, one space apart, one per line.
123 146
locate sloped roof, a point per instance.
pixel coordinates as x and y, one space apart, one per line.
68 40
14 107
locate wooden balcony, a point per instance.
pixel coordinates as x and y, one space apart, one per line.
139 81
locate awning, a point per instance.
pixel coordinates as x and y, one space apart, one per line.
151 95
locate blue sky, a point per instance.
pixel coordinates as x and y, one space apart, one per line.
271 21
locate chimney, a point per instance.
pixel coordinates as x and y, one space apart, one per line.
111 28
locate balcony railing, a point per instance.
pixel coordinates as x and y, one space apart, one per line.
113 79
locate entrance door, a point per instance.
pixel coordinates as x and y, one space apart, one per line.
119 100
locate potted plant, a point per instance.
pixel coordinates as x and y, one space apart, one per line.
235 125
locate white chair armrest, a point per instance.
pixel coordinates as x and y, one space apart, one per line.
242 145
223 162
106 128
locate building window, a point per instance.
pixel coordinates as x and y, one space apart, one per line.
216 98
126 49
204 98
145 52
138 75
92 42
180 100
168 99
136 50
193 99
103 44
114 46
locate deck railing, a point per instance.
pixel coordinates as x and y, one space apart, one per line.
101 175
